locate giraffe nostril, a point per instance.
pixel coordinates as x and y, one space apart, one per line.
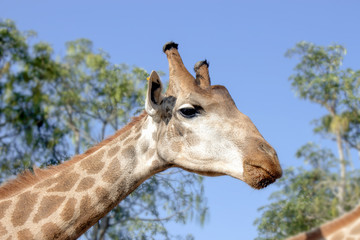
274 168
268 149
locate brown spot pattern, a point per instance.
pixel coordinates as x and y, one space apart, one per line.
124 135
150 153
47 183
176 146
144 146
93 163
129 140
23 208
48 206
50 231
65 183
113 151
355 230
138 128
113 173
101 192
103 196
3 207
129 153
85 205
83 225
25 234
85 184
177 130
3 230
155 164
69 209
137 136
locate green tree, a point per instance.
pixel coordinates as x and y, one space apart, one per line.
329 186
351 102
75 102
28 133
319 78
307 195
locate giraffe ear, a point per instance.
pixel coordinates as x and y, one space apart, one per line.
154 94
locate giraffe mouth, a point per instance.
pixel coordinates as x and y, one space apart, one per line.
204 173
258 177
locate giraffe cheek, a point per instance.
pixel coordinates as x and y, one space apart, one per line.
167 146
165 152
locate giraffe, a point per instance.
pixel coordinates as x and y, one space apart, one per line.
345 227
193 125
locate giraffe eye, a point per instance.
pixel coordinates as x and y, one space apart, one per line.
190 112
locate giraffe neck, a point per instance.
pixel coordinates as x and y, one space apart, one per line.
344 227
74 198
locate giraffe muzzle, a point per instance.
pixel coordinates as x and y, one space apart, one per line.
261 166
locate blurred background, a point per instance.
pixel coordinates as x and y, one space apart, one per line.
72 72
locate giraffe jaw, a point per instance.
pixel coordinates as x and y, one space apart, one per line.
257 177
203 173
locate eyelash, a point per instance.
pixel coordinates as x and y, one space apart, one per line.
188 112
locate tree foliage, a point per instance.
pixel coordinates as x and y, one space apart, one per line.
54 107
28 130
319 78
307 196
328 186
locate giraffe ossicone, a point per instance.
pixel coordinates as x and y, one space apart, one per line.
194 125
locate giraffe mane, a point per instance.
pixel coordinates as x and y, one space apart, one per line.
28 178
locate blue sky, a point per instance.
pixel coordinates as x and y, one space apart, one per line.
244 41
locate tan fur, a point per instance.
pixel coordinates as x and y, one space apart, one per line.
85 184
20 215
112 178
51 230
66 183
28 178
25 234
3 231
68 210
3 206
48 205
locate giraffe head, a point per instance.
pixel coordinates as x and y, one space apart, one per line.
201 130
